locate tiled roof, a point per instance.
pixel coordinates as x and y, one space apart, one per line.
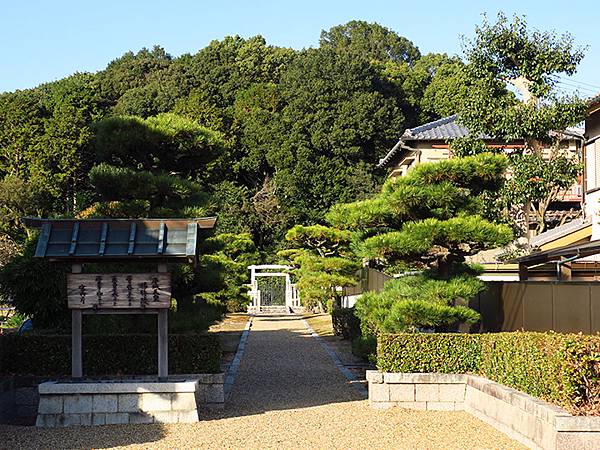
558 232
442 129
446 128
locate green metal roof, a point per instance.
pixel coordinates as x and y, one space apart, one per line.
119 239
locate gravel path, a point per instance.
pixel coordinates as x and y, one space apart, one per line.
288 394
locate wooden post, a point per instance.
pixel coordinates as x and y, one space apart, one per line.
163 344
76 317
76 362
523 272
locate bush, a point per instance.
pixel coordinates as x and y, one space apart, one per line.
345 323
108 355
36 288
561 368
365 347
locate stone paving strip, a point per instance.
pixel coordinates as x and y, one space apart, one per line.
287 394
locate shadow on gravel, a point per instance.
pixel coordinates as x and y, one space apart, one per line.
281 369
12 437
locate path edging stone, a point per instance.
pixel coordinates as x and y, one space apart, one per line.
337 361
235 364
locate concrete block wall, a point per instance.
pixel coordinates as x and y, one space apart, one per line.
425 391
123 402
533 422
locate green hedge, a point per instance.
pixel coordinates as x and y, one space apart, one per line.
107 355
561 368
345 323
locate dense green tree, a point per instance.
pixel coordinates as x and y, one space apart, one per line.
369 41
130 71
334 123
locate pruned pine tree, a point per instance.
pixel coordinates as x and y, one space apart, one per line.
427 221
323 263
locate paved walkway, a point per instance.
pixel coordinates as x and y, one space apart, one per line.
287 394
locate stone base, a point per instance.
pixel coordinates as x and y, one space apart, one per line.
87 403
526 419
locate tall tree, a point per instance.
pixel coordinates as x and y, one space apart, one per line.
369 41
507 54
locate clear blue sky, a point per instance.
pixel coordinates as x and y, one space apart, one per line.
47 40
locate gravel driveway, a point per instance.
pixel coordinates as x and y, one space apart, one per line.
288 394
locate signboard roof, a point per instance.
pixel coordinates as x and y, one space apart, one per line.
119 239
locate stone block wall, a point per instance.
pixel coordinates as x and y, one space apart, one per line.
104 403
533 422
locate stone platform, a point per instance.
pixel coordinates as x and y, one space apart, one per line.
105 402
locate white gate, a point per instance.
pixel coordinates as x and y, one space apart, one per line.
292 296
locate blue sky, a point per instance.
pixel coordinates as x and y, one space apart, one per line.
47 40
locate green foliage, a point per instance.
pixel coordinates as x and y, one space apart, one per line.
428 239
412 303
560 368
509 53
468 146
36 288
322 240
540 181
275 136
161 190
223 273
318 278
322 262
49 355
426 352
164 143
14 321
431 190
427 220
345 323
365 347
370 41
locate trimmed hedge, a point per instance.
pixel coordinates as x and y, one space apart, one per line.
105 355
561 368
345 323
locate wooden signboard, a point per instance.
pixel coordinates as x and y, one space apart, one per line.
119 290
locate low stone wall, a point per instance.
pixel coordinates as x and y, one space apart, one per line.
64 404
533 422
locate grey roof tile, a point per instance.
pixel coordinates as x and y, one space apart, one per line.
558 232
445 128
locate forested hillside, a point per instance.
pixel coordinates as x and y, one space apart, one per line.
261 136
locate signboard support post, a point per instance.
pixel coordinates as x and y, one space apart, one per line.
163 344
76 363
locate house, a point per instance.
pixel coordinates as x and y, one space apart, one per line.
430 143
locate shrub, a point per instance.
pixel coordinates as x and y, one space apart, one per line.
36 288
345 323
107 354
560 368
365 347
